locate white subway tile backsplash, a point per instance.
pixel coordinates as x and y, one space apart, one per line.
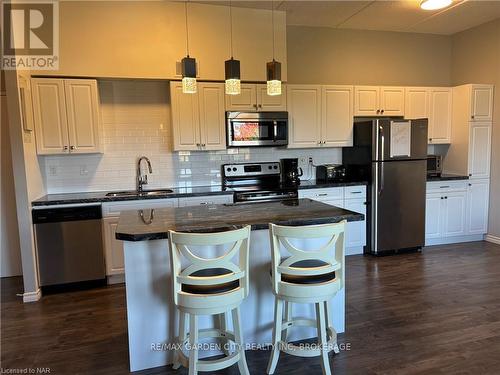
136 121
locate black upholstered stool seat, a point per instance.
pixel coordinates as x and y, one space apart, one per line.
315 279
214 288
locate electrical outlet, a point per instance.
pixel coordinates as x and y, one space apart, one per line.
83 170
302 160
52 170
311 160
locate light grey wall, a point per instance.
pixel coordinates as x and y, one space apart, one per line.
360 57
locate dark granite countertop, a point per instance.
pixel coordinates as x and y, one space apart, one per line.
99 197
447 177
180 192
133 227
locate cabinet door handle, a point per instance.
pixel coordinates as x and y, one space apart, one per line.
470 174
260 105
378 111
382 111
472 117
255 106
65 148
72 148
430 139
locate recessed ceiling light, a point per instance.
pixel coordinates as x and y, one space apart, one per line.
435 4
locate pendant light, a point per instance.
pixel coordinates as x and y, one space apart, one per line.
273 69
188 64
232 66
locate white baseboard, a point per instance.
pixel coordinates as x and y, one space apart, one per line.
116 279
32 296
492 239
452 240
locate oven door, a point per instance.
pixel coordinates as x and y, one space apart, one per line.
257 131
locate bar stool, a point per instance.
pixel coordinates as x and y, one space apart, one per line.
306 277
209 286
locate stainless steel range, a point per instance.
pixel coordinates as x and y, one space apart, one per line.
256 182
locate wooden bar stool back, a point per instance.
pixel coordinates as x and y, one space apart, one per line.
209 286
306 276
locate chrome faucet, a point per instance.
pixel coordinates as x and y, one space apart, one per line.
142 179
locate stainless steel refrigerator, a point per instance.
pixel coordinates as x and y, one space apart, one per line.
391 155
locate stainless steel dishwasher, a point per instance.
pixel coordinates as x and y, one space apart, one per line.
69 246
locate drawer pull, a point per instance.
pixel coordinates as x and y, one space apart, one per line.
444 187
356 192
322 195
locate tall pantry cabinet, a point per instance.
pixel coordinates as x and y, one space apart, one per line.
470 149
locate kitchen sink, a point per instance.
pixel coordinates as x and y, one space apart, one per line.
135 193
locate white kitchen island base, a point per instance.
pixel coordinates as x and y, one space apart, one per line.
152 318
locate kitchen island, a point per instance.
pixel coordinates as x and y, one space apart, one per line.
150 309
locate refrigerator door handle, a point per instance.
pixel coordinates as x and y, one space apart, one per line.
382 154
381 183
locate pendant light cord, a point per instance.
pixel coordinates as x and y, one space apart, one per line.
187 28
272 13
231 25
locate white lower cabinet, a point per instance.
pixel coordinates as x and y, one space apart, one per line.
352 198
113 248
356 230
456 211
454 214
433 215
477 206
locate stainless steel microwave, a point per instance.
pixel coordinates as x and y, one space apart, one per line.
251 129
434 165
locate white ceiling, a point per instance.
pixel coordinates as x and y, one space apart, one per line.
401 15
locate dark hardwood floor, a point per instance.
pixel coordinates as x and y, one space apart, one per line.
432 313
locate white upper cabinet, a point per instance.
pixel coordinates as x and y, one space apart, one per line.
198 119
379 101
254 97
481 103
185 119
392 101
66 115
480 150
212 116
49 109
83 119
470 147
320 116
245 101
440 110
417 102
304 115
434 104
366 100
337 115
270 102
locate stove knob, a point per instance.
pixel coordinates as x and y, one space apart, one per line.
234 169
229 169
270 167
275 167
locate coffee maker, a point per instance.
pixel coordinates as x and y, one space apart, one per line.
290 171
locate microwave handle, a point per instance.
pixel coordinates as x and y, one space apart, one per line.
275 130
